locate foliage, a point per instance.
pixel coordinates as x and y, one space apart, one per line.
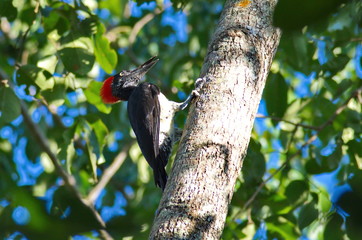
54 55
308 140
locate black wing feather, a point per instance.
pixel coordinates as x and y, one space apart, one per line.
144 115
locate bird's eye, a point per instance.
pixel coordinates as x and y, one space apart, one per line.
122 73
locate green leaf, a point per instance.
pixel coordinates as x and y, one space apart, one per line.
355 152
319 110
293 15
77 60
321 164
333 228
298 52
297 191
70 156
312 167
93 152
8 10
101 132
9 105
284 228
278 204
292 111
92 94
74 83
275 94
49 62
92 147
28 15
335 158
324 204
30 74
63 199
354 119
105 56
254 164
307 215
55 21
55 96
336 64
116 7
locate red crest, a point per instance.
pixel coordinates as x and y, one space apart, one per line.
106 92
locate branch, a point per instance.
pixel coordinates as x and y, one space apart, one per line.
356 40
287 121
252 198
68 180
21 42
140 24
53 112
22 55
108 174
354 94
112 35
134 32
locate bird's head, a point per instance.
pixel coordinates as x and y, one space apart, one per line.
120 86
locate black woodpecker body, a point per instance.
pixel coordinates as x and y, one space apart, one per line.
150 113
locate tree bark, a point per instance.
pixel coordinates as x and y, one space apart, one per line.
217 132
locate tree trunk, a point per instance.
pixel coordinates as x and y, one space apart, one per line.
217 132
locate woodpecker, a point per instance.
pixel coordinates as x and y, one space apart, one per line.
150 113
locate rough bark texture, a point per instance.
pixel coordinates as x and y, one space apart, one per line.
217 132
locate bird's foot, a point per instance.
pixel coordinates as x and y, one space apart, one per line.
195 94
199 83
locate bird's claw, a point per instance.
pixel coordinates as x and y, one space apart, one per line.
199 83
195 93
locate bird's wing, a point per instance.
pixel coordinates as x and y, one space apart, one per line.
144 115
156 123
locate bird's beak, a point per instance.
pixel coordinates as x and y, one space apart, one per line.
144 68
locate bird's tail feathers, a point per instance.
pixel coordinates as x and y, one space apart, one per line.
160 176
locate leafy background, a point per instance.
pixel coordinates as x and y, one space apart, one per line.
302 175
